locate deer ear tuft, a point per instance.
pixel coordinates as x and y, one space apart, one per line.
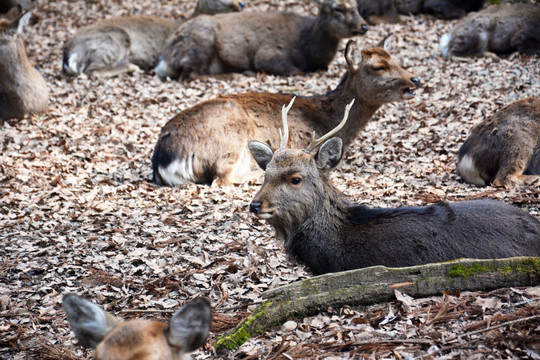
330 154
261 152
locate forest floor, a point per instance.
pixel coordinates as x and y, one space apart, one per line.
79 213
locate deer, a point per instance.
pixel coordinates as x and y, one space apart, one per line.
23 90
504 149
278 43
127 43
115 339
388 11
208 142
498 29
322 229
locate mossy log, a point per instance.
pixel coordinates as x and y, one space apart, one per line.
376 284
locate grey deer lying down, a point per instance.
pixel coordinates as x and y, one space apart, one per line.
324 230
498 29
127 43
376 11
209 141
22 88
114 339
504 149
278 43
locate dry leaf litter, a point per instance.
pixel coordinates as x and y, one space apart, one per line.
79 213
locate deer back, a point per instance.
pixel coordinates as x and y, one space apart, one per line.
211 7
114 339
22 88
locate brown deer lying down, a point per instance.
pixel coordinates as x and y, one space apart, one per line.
209 140
114 339
22 88
322 229
375 11
274 42
504 149
499 29
127 43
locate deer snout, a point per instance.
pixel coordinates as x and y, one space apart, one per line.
364 28
415 81
255 207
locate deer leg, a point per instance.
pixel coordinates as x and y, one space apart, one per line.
115 71
512 167
274 62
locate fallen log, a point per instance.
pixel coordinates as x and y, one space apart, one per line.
377 284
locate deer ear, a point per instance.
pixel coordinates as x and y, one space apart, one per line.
386 42
330 154
353 55
189 327
88 321
261 152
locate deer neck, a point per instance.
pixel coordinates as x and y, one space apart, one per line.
317 43
336 100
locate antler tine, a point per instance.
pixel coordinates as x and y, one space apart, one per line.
284 137
315 143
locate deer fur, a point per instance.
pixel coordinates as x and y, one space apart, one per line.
22 88
114 339
498 29
321 228
209 141
504 149
377 11
127 43
278 43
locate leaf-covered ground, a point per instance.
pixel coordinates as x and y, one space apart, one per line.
78 212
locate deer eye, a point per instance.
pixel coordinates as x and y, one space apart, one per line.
296 180
378 68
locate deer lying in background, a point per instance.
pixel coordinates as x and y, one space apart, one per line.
499 29
114 339
504 149
278 43
209 140
322 229
377 11
127 43
22 88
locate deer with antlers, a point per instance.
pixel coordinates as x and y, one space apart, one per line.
209 141
324 230
114 339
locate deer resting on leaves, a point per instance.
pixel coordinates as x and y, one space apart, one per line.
279 43
209 141
127 43
114 339
324 230
504 149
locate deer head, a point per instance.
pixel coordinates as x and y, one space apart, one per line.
138 339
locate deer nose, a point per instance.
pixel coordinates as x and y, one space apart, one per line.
364 28
416 82
255 207
242 5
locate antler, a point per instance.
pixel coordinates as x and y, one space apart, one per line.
284 137
315 143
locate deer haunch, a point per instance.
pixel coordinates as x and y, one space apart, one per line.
22 88
275 42
505 148
322 229
500 29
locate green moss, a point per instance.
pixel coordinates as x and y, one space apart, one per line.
466 270
242 332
